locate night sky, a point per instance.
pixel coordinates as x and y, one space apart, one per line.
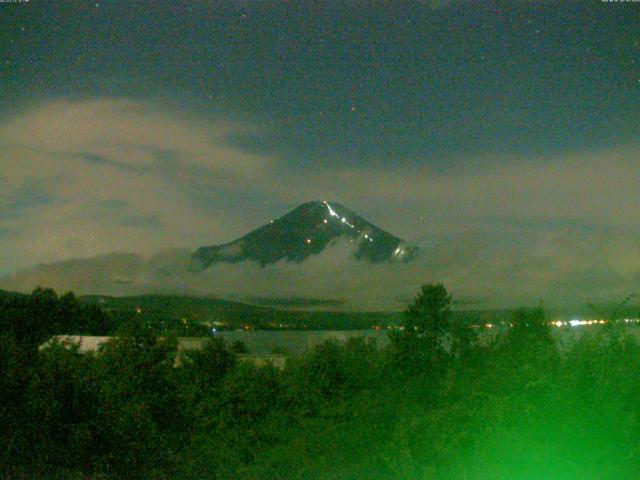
504 134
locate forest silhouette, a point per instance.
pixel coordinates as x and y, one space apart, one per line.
439 402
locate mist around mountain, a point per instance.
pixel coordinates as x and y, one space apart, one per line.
483 269
305 231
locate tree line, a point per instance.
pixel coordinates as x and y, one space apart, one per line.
440 402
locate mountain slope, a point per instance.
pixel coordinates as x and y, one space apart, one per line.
307 230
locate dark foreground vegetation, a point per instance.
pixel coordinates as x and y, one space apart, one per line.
436 404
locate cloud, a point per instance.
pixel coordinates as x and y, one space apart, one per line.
127 133
88 177
481 269
591 188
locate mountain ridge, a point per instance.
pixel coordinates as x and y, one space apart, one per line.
304 231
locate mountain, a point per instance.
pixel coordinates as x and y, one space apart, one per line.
307 230
234 315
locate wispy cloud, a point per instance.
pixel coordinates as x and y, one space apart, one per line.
81 178
481 268
86 178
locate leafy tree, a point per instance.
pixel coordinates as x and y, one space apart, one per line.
140 416
430 312
33 319
420 346
205 368
336 369
341 411
60 406
16 365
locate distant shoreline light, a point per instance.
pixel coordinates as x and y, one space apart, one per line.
578 322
